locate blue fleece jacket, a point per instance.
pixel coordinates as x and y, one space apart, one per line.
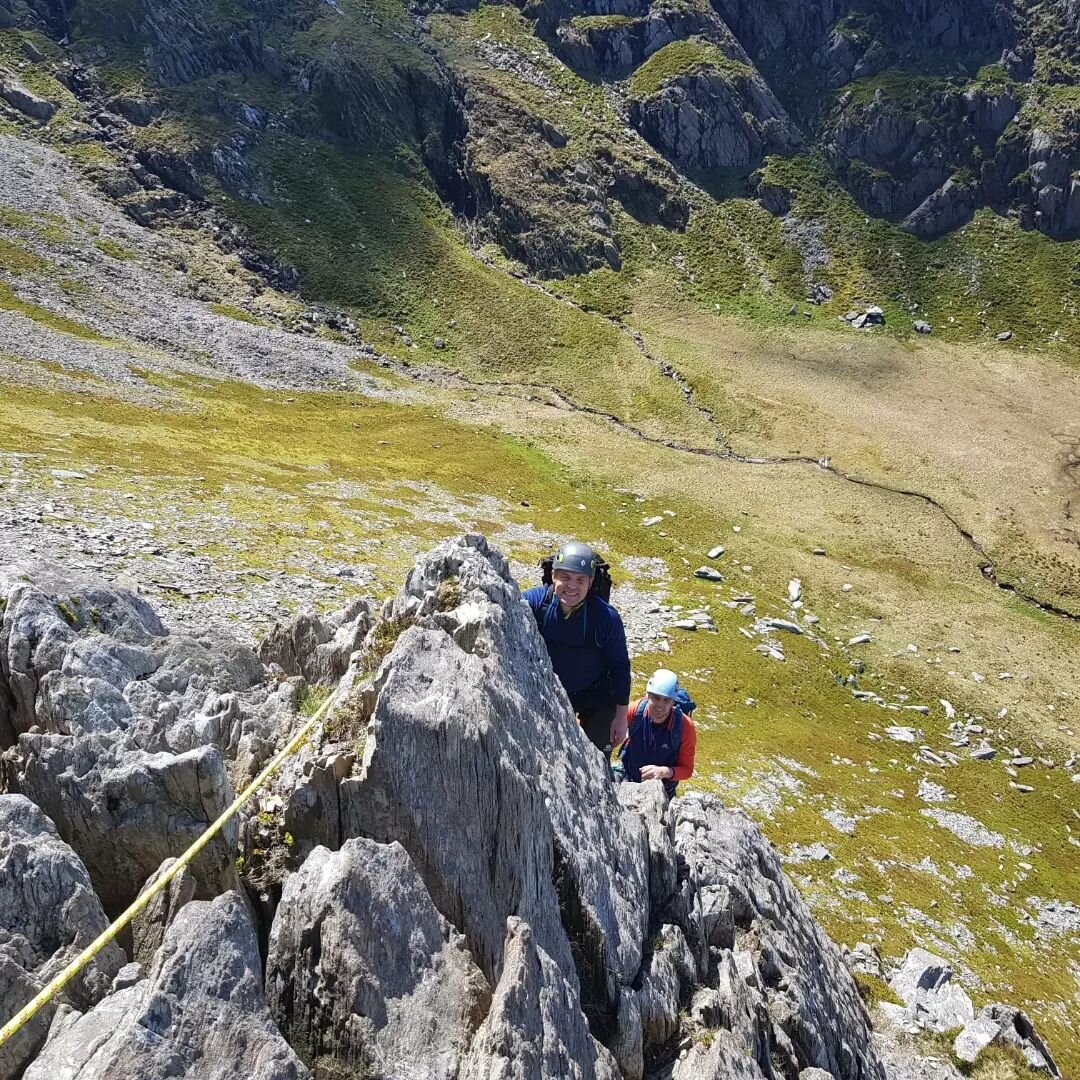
588 649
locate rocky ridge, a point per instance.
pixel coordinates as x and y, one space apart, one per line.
448 802
924 116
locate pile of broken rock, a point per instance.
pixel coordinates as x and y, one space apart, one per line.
443 883
933 1001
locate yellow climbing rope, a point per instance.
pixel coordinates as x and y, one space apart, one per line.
60 981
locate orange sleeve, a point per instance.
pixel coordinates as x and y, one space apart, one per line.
684 767
631 712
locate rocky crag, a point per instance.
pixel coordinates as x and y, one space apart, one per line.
922 114
443 883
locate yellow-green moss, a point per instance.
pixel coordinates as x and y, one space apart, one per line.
9 301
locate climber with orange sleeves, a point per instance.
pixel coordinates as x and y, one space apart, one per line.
662 739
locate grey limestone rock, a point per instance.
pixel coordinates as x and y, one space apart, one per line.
48 915
924 984
148 928
649 802
26 101
719 1058
1004 1026
363 970
535 1027
126 811
470 755
317 647
200 1013
813 1015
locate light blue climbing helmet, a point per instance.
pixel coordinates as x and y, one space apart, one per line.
663 682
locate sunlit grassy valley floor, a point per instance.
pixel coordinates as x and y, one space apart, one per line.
170 419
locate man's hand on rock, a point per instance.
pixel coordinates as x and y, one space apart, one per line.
619 726
656 772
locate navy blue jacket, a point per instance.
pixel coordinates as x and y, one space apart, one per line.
587 650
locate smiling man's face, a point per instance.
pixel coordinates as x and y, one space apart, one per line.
571 587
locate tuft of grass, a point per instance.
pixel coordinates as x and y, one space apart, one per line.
385 637
601 22
114 249
682 58
9 301
237 313
874 991
17 259
449 594
310 699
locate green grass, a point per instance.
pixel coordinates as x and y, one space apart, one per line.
16 259
233 312
114 249
908 89
682 58
601 22
10 301
367 233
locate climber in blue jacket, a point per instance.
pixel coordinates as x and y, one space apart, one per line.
586 641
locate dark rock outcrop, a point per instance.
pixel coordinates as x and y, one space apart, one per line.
715 118
611 47
951 206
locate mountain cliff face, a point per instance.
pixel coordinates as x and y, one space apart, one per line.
923 114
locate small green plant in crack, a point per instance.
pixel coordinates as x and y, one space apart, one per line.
385 638
68 610
348 723
449 594
310 699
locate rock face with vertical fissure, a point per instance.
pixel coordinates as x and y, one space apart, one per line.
48 915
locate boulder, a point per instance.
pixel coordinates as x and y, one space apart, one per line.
26 101
200 1013
1001 1025
865 959
946 209
924 984
362 969
470 753
48 915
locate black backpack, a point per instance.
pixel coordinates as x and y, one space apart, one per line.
601 583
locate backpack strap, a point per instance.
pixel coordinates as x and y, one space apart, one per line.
543 613
635 723
677 731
